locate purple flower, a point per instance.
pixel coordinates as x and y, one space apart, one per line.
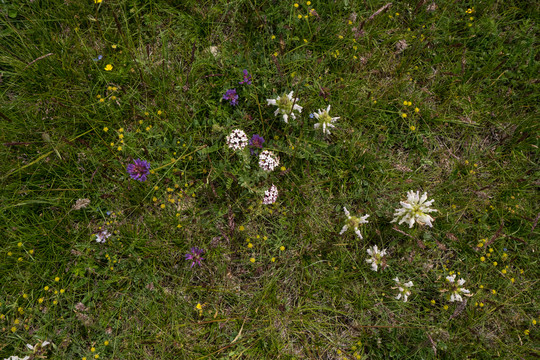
256 141
232 96
195 254
140 170
247 78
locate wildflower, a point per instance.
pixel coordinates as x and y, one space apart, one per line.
325 120
270 195
353 222
403 289
195 254
232 96
376 257
108 67
286 106
247 78
268 161
237 140
102 236
456 289
97 1
139 171
256 141
98 58
414 209
252 260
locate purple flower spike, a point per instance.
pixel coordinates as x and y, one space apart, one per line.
247 78
195 254
139 171
256 141
232 96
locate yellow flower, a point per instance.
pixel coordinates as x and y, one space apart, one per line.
119 148
413 127
273 259
101 100
114 46
105 129
296 5
46 288
97 1
159 112
308 3
62 291
282 248
513 280
526 332
57 279
106 343
299 16
250 245
252 260
13 329
403 115
162 206
108 67
93 349
241 228
482 258
273 37
432 302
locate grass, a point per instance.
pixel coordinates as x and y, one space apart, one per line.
472 145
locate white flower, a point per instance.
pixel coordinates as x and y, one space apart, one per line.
286 106
325 120
414 209
270 195
13 357
353 222
376 257
268 161
456 289
102 236
38 345
237 140
403 289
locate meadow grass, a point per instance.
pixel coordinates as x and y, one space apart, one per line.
277 281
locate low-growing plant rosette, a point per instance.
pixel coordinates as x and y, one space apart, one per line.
286 106
325 120
353 222
414 210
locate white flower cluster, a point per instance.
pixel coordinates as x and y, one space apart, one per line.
403 289
414 209
268 161
353 222
102 236
325 120
376 257
270 195
237 140
456 289
286 106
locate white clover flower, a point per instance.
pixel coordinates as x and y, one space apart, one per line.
325 120
13 357
38 345
268 161
456 289
353 222
286 106
414 209
237 140
376 257
102 236
403 289
270 195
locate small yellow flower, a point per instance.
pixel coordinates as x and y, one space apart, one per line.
108 67
62 291
404 115
93 349
46 288
13 329
482 259
162 206
493 291
412 127
241 228
114 46
40 300
106 342
526 332
273 259
405 103
494 263
409 103
481 304
159 112
250 245
533 321
282 248
432 302
57 279
445 307
101 100
105 129
308 3
96 356
113 97
299 16
97 1
119 148
512 280
481 286
273 37
252 260
416 110
504 271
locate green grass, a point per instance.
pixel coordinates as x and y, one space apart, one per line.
472 146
